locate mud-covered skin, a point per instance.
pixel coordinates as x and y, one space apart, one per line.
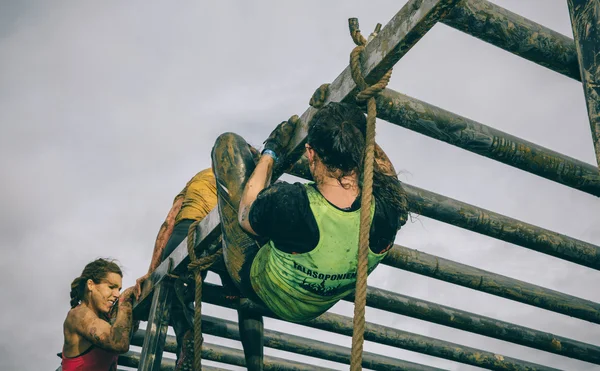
233 164
472 136
164 233
515 34
585 16
84 328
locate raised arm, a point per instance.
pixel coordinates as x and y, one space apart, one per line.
258 181
113 337
166 229
164 233
261 177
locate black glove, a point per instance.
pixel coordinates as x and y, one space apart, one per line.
281 136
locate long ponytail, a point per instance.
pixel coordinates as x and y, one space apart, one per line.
77 291
389 189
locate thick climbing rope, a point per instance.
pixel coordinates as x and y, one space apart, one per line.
198 265
367 93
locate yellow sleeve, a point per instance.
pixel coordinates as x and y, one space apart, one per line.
200 196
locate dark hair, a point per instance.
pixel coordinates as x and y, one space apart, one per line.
337 135
95 271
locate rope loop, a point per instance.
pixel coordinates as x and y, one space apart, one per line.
366 91
204 263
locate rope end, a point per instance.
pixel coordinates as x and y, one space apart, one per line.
375 32
353 24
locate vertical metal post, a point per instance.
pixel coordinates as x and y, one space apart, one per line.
158 323
251 329
585 18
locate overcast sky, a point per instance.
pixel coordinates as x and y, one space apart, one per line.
107 108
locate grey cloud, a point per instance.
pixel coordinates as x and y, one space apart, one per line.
107 109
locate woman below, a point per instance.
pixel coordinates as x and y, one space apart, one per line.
293 247
91 341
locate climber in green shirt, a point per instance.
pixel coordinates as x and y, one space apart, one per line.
293 247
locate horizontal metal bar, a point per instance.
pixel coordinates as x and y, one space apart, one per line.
394 337
231 356
513 33
502 227
308 347
311 347
132 359
475 323
477 279
472 136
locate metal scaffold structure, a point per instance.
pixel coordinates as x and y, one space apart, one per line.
574 59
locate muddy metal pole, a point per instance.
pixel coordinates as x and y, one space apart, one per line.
158 323
132 359
472 136
515 34
443 315
311 347
231 356
495 225
396 338
427 311
308 347
491 283
486 326
585 22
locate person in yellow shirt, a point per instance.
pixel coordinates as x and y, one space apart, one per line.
193 203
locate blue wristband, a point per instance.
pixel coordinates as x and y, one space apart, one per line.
270 153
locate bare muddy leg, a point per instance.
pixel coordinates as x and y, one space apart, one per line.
233 164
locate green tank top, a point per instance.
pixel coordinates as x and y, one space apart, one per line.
300 287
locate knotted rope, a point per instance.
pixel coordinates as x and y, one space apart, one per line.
367 93
198 265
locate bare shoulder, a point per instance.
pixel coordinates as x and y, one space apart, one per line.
78 318
74 343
